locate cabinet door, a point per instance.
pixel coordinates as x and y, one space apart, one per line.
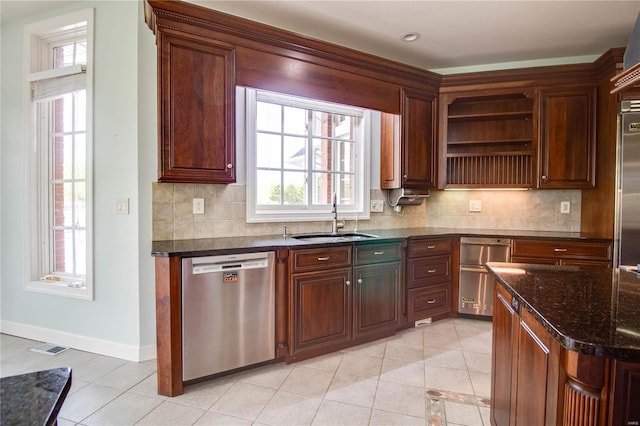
376 294
567 146
536 394
418 140
504 351
321 308
624 407
197 110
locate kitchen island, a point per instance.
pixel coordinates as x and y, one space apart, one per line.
566 345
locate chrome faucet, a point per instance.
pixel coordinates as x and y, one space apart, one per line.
335 226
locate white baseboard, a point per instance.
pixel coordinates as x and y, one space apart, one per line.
76 341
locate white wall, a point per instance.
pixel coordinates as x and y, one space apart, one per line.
120 319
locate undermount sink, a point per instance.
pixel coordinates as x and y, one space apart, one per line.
332 238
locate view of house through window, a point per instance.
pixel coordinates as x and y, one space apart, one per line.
305 151
60 165
68 177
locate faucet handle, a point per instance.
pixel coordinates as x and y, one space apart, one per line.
284 231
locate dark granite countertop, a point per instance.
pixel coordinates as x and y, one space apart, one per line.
588 309
226 245
33 398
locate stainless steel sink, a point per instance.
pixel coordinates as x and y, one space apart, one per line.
328 237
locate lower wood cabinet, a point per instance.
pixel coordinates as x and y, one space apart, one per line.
525 367
429 277
562 252
322 308
376 296
336 303
536 381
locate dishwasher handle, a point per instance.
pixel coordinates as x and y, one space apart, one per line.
207 268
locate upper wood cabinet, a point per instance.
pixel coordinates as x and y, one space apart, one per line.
488 139
568 137
408 150
196 91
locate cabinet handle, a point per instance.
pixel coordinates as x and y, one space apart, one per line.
359 280
431 271
378 253
431 247
404 177
229 166
322 259
347 282
545 178
431 301
560 250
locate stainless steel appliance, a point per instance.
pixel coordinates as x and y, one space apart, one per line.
628 201
228 312
476 286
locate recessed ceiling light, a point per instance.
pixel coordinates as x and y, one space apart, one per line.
409 37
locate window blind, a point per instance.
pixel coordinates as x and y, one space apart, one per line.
54 83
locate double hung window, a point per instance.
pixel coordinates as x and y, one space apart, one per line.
59 160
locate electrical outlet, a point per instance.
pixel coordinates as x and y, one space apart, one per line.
565 207
122 206
377 206
198 206
475 205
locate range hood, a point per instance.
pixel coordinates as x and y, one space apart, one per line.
406 196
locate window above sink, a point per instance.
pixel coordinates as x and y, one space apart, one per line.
299 153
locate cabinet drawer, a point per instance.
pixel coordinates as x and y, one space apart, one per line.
428 270
587 250
320 258
377 253
429 247
427 302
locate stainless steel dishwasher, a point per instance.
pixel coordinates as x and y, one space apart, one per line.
228 312
476 286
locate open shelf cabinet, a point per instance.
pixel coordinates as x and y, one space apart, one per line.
488 139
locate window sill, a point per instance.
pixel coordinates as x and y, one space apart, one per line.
60 288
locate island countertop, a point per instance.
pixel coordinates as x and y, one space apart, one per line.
588 309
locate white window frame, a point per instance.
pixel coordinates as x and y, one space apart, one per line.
39 37
361 209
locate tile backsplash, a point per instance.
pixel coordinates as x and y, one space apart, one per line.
508 210
225 214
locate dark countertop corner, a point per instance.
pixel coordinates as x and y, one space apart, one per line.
588 309
34 398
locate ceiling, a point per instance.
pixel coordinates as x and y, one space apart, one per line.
453 34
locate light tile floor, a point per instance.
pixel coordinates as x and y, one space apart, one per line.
437 374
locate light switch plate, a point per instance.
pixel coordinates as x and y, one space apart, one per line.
122 206
475 205
377 206
198 206
565 207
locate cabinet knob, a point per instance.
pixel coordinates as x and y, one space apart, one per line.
229 166
347 282
404 177
545 178
359 280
